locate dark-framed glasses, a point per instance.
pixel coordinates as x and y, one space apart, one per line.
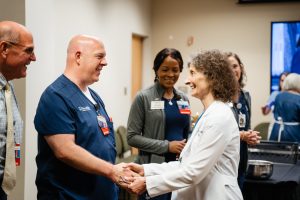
28 50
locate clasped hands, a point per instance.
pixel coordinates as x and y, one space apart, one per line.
130 176
251 137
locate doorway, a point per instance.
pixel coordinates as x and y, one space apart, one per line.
136 70
137 61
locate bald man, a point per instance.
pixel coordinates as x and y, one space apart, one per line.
76 146
16 52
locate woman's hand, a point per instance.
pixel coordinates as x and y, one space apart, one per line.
139 169
138 185
176 146
265 110
250 137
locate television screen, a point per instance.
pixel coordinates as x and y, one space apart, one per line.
285 50
265 1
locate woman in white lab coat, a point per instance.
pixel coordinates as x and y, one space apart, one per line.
208 165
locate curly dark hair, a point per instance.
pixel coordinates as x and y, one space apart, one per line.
160 57
221 79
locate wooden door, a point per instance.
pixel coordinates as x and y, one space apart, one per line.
136 68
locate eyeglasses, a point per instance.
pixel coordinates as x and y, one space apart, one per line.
28 50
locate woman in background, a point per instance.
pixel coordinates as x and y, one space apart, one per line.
270 103
159 119
241 108
208 165
287 111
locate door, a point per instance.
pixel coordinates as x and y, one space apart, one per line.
136 70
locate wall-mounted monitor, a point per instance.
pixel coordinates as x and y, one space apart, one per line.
266 1
285 50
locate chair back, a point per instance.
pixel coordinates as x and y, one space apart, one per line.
263 128
122 131
119 145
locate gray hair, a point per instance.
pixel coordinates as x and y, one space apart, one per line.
292 82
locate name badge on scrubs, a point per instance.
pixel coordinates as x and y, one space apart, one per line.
18 154
103 124
157 105
242 120
184 107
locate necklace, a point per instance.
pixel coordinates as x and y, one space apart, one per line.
169 98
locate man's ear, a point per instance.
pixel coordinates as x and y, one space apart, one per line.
78 57
4 47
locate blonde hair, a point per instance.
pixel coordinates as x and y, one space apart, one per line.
292 82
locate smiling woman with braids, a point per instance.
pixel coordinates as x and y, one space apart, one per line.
159 119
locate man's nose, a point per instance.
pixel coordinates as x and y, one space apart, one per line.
32 57
104 62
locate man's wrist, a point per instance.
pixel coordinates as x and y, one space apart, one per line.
110 172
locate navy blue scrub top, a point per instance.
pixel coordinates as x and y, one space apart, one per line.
242 107
177 125
64 109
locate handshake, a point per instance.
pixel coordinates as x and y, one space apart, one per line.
129 176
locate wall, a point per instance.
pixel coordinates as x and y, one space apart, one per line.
14 10
53 23
228 26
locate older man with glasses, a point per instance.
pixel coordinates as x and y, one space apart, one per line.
16 52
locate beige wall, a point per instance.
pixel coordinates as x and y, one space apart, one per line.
15 10
224 25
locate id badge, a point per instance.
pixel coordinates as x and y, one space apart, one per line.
242 120
184 107
157 105
18 154
103 124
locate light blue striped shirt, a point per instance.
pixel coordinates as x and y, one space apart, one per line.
18 123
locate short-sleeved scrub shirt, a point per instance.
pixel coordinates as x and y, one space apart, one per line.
64 109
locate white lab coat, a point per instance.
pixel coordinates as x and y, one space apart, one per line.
208 165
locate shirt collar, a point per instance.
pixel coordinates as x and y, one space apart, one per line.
3 81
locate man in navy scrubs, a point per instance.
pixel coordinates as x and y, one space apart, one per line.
76 146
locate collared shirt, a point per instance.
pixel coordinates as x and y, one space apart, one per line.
18 123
